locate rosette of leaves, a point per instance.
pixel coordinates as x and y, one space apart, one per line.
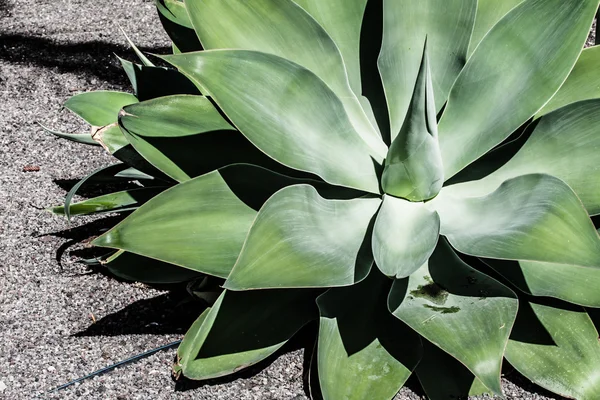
416 176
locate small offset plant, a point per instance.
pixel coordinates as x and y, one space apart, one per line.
416 176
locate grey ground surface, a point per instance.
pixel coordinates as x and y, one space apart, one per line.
50 50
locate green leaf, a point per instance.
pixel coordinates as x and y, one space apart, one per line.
175 11
358 337
288 31
99 108
413 166
583 82
462 311
176 22
447 26
125 200
342 19
404 236
532 217
110 138
514 71
145 61
577 285
489 12
136 268
300 239
564 144
84 138
556 347
285 111
152 82
206 234
172 117
443 377
241 329
102 172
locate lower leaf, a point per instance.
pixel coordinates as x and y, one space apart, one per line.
462 311
364 353
241 329
556 346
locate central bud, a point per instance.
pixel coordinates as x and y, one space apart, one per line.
413 166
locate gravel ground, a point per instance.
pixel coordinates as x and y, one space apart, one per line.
57 320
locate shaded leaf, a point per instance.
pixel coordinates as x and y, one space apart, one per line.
136 268
462 311
557 348
241 329
358 337
125 200
443 377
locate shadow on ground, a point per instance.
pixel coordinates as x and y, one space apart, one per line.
170 313
94 58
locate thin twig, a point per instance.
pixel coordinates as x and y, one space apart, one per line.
120 363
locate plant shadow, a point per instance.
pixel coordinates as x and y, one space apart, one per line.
79 58
170 313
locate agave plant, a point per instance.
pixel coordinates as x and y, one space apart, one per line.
416 176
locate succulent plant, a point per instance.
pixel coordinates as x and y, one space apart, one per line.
416 176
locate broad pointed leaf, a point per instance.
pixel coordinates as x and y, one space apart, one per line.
577 285
205 234
358 337
125 200
556 347
462 311
99 108
342 19
133 267
241 329
285 111
300 239
170 121
282 28
404 236
489 12
443 377
447 25
514 71
583 82
413 166
564 144
532 217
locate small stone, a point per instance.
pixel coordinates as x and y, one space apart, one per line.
51 369
2 387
